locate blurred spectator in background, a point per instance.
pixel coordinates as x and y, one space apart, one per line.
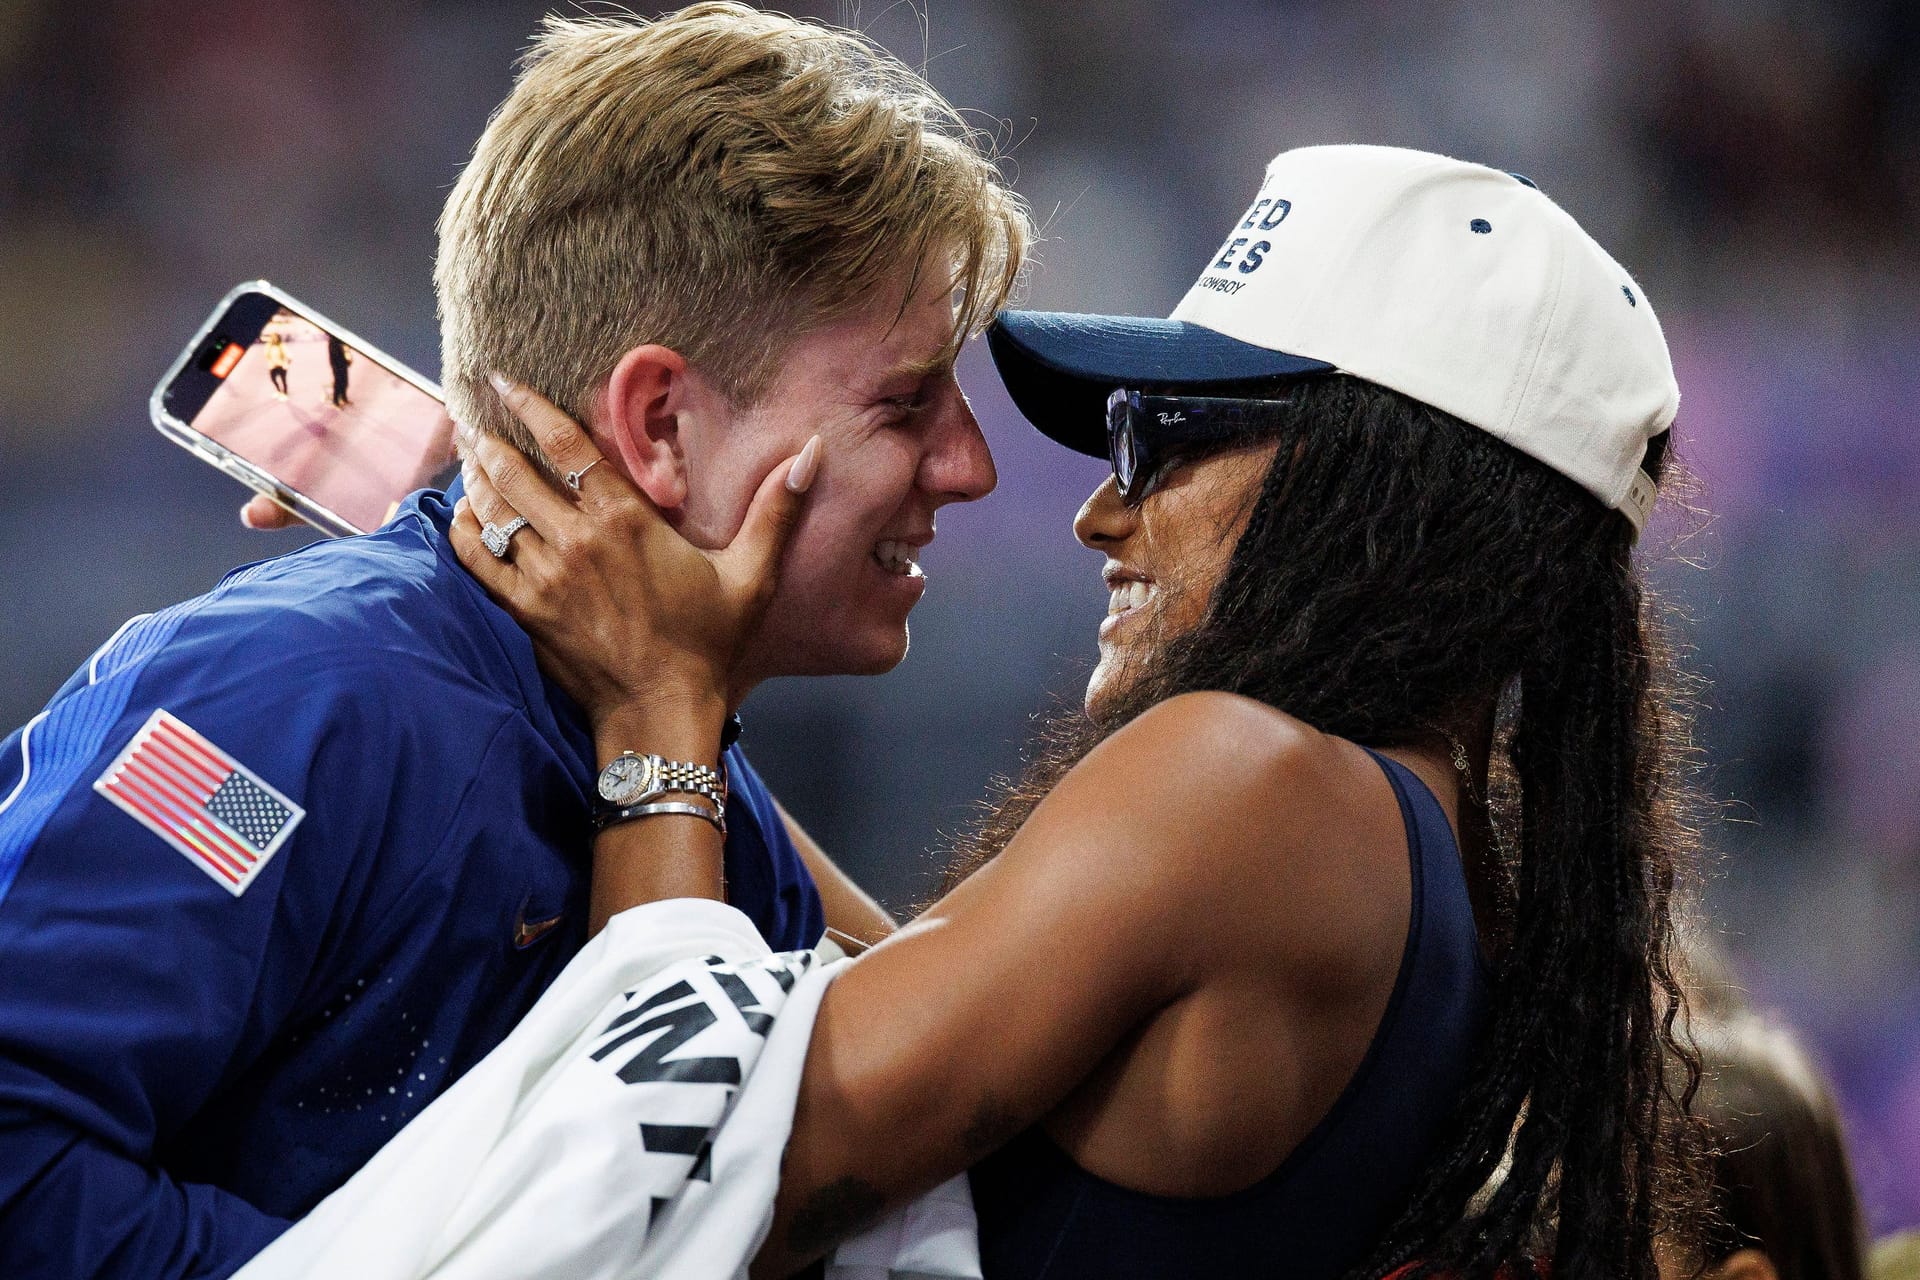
1783 1195
1896 1258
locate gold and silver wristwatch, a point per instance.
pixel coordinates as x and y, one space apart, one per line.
631 784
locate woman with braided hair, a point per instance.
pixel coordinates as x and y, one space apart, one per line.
1333 937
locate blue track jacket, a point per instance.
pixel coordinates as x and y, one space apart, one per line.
401 803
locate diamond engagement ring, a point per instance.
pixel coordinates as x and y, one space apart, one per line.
573 478
498 536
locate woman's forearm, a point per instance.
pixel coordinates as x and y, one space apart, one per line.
660 856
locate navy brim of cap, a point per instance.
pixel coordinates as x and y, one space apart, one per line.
1060 367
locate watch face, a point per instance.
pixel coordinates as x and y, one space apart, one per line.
625 780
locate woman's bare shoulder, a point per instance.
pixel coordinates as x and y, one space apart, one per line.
1224 749
1282 835
1214 711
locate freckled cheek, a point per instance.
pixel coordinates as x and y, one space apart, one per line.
833 536
863 502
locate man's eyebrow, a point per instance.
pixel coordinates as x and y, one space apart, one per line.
916 370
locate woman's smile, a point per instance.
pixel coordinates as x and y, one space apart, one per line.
1129 594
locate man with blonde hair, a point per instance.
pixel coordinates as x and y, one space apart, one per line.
281 862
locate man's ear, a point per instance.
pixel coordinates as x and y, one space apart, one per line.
652 389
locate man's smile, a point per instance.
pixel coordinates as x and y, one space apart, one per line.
897 558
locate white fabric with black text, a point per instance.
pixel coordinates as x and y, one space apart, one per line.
632 1125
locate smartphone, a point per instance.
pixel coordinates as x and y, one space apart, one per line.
293 406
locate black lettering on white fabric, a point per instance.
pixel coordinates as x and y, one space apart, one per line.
676 1027
674 1139
738 1006
678 991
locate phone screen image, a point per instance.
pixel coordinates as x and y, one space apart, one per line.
324 419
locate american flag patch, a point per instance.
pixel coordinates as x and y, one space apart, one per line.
200 800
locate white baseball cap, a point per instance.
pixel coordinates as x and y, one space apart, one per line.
1455 284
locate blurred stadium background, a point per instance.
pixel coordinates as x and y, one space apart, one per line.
1756 163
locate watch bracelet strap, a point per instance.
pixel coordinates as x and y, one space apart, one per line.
692 787
694 779
611 817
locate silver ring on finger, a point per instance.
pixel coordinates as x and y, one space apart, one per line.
573 478
498 537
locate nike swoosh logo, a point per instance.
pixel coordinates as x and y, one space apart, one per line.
526 933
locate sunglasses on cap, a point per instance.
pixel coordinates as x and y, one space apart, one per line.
1148 435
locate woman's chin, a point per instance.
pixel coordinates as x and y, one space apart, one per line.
1127 655
1091 703
1106 685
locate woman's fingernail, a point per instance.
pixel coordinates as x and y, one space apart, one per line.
800 476
460 506
501 383
246 515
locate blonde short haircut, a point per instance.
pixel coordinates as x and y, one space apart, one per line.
717 181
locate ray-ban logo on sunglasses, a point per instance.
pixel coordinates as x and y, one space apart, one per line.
1170 419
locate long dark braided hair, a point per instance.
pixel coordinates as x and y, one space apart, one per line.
1398 571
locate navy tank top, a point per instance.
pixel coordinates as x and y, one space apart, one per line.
1042 1217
